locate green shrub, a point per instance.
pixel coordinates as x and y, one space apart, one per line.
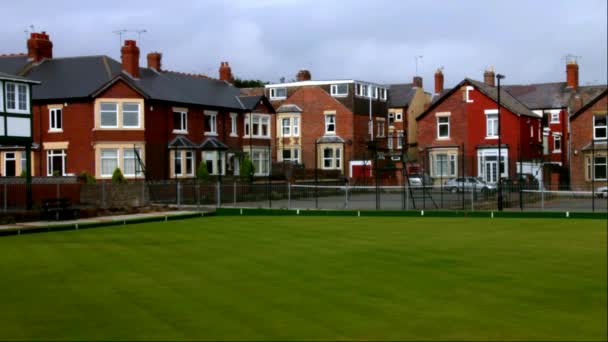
202 174
56 173
117 177
23 174
86 178
247 170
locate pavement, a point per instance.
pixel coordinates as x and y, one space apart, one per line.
167 215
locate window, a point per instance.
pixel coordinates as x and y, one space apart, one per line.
399 140
531 132
383 94
443 127
492 124
260 125
332 158
109 115
398 117
55 120
24 162
296 126
374 92
131 163
467 94
109 161
177 163
330 123
555 117
380 127
358 89
278 93
210 123
130 115
55 162
600 127
10 164
17 98
557 143
189 156
286 124
391 118
389 142
339 89
600 168
291 155
260 158
1 97
233 128
180 122
443 165
214 161
365 90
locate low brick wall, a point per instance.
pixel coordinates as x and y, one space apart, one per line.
107 195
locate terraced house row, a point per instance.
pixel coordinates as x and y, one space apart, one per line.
93 114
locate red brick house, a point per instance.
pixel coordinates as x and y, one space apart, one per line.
589 143
458 134
94 114
329 121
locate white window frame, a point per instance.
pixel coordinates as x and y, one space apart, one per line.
295 126
451 164
274 91
554 117
440 116
380 127
333 89
605 127
6 159
18 91
489 152
400 140
137 169
123 111
256 155
335 161
467 91
53 118
101 159
389 141
2 109
286 129
383 93
261 120
212 129
328 123
49 160
398 117
183 129
294 153
233 125
594 165
491 123
391 118
101 111
557 137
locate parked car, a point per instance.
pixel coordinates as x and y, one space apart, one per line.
602 192
418 179
469 184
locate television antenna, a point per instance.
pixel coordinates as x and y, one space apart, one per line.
416 60
571 57
139 32
120 33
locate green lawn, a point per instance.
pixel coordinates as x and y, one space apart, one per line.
326 278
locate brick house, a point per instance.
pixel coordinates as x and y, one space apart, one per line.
406 102
458 133
589 143
333 116
94 114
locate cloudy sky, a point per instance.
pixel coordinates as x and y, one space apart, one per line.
335 39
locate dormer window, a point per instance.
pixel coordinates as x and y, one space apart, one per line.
339 89
278 93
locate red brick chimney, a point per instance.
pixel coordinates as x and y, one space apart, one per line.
154 59
130 58
438 81
488 76
417 81
303 75
572 74
39 46
226 72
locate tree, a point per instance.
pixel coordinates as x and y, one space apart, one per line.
239 83
247 169
202 174
117 177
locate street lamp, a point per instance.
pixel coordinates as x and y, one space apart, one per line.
498 78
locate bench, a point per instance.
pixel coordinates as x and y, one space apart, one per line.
59 209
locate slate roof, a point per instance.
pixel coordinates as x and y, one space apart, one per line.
541 95
181 142
330 139
250 102
79 77
10 77
400 95
506 99
289 108
213 144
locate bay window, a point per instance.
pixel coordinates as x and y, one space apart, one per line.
131 162
291 155
260 125
109 161
331 158
260 158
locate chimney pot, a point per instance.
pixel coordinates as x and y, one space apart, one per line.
154 60
438 81
417 81
130 58
303 75
572 74
489 76
226 72
39 47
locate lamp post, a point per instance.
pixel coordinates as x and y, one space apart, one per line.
498 78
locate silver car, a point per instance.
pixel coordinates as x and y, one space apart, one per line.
469 184
602 192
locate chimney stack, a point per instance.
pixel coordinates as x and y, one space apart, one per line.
130 58
303 75
572 74
154 59
226 72
39 47
438 81
489 77
417 82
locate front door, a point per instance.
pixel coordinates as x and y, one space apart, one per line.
491 169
